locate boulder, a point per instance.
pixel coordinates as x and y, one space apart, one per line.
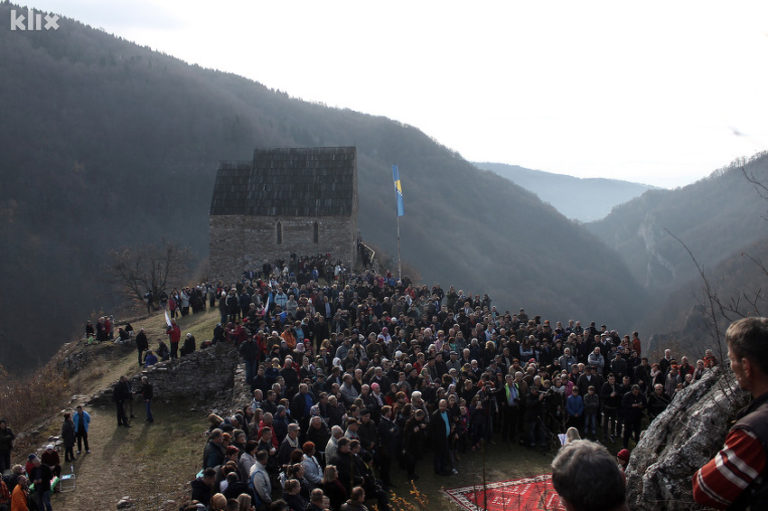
682 439
125 503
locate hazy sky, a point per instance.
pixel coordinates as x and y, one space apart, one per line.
655 92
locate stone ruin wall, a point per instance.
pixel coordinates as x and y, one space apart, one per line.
240 243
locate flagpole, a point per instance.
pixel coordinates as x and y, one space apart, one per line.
398 214
399 265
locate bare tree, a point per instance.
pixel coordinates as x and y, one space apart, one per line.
149 268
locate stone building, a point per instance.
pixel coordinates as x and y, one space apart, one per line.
299 201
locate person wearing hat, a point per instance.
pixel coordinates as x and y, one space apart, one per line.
189 345
51 458
622 457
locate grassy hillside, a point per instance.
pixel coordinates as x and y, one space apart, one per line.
582 199
107 144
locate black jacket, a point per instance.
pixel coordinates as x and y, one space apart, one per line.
201 492
68 432
141 341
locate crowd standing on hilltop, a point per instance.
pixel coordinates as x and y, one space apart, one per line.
353 375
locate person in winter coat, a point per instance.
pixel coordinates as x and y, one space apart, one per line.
147 393
20 495
189 345
574 408
68 435
174 335
82 420
6 445
591 411
142 345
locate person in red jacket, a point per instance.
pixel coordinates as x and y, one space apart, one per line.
174 335
734 478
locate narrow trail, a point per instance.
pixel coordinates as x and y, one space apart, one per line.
151 463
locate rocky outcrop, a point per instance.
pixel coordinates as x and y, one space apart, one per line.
77 355
205 374
680 440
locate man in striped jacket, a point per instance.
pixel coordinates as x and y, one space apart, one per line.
736 477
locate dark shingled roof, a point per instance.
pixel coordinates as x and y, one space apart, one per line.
318 181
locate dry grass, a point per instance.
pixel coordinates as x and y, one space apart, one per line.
33 401
415 501
24 398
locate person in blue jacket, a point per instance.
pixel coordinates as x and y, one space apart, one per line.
82 422
574 407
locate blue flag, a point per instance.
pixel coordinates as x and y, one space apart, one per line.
398 190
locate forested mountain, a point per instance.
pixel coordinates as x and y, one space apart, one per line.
722 220
685 318
582 199
106 144
714 217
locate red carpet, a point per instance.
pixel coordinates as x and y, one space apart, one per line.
531 494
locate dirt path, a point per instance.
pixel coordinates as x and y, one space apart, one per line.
151 463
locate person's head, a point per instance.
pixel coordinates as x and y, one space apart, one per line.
316 497
357 495
292 487
218 502
577 466
747 341
443 405
572 434
330 473
308 448
262 457
244 502
622 457
343 444
293 430
209 476
658 388
636 389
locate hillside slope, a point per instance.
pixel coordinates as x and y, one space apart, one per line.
684 319
582 199
713 217
107 144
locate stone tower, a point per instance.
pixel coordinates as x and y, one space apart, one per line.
299 201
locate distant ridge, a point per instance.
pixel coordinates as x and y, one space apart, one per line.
582 199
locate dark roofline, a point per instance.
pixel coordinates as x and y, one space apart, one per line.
289 181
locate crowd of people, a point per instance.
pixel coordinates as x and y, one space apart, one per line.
353 375
353 378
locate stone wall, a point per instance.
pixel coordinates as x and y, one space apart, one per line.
204 375
240 242
680 440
